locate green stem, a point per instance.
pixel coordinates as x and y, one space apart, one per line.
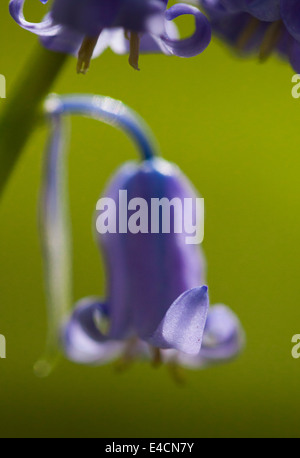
21 112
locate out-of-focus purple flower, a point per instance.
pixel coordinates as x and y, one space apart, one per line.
155 291
262 27
156 297
156 302
86 28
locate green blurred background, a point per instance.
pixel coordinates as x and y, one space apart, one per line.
233 127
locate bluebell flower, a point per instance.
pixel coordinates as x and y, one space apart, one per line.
87 28
261 27
157 297
157 303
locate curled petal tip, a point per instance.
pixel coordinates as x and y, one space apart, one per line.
183 325
223 339
196 43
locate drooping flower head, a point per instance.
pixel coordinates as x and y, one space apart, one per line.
155 281
86 28
262 27
156 302
156 297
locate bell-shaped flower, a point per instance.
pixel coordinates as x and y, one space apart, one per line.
261 27
146 227
86 28
155 281
155 287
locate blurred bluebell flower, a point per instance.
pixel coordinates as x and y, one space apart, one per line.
156 291
157 302
87 28
261 27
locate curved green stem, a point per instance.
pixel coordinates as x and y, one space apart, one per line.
21 112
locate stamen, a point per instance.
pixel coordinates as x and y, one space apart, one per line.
247 33
134 53
156 360
102 323
85 54
176 372
126 360
270 40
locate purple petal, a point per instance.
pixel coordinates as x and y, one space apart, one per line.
152 269
45 28
53 36
153 44
223 339
232 6
65 41
290 13
148 44
294 55
264 10
88 17
216 8
114 39
91 16
183 325
68 41
193 45
82 340
145 16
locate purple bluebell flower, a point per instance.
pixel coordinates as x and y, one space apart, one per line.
87 28
156 293
156 301
262 27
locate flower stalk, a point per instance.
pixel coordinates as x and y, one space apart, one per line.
54 218
21 112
